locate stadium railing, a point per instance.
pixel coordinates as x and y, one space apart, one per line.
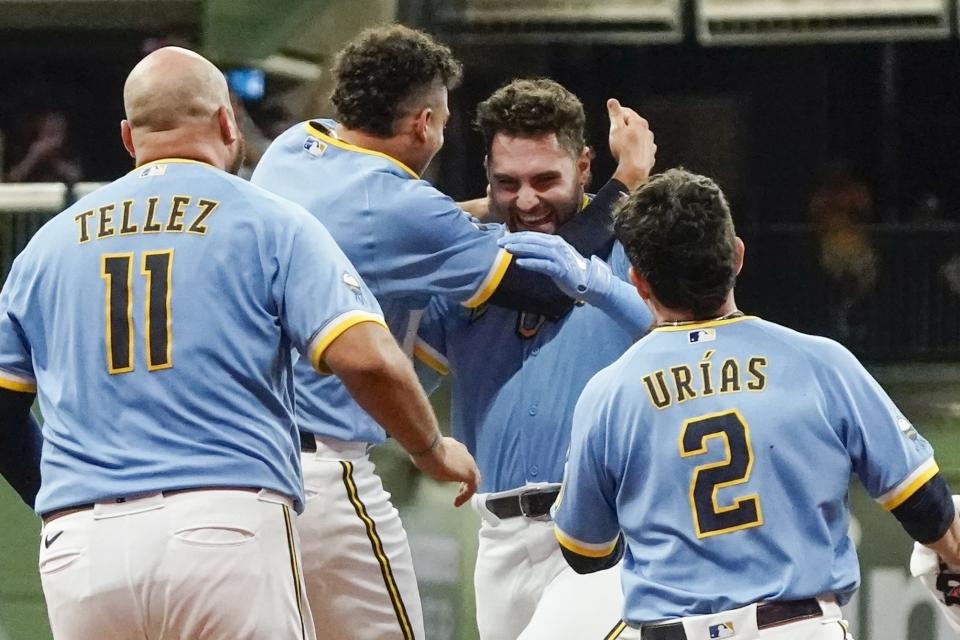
24 208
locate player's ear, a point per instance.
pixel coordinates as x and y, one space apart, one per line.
126 134
642 284
583 166
228 126
421 123
739 248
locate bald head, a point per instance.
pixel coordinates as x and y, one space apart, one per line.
173 87
178 105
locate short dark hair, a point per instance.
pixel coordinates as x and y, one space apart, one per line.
530 107
382 70
678 234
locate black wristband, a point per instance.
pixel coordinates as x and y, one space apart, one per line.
929 512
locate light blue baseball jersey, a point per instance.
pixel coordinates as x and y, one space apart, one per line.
516 378
723 450
157 317
408 241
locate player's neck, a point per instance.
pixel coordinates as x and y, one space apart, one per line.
666 317
161 145
395 146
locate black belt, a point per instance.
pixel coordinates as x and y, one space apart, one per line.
769 614
50 516
308 442
534 503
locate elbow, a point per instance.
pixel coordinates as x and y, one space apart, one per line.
587 564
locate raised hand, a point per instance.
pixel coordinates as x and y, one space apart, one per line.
631 144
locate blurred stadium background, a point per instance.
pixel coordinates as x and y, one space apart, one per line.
833 125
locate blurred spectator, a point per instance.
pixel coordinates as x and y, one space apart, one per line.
47 156
840 207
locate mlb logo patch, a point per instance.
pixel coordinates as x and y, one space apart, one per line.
152 170
722 630
906 428
702 335
354 285
314 147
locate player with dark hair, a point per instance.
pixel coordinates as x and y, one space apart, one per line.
360 176
715 455
156 318
388 73
517 375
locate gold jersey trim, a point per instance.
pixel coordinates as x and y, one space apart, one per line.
10 383
585 549
314 131
431 357
333 331
491 281
140 167
910 485
704 324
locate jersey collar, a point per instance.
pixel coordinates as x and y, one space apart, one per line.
701 324
172 161
315 131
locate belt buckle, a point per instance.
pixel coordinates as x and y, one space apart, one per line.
525 505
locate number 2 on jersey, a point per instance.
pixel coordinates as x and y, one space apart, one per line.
709 518
117 270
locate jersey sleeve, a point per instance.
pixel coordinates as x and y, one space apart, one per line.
437 249
891 459
323 295
16 364
619 263
585 516
430 350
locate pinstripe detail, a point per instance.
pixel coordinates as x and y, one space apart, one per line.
295 568
616 631
389 581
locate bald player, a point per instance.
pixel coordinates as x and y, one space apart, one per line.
156 317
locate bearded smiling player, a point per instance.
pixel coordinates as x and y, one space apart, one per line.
516 376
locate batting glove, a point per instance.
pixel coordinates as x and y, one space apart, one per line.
579 278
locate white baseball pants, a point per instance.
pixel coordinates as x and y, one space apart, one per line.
830 626
357 564
203 565
527 591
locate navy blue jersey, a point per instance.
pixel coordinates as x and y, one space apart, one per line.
157 317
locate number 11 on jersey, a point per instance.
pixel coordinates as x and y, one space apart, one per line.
117 270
